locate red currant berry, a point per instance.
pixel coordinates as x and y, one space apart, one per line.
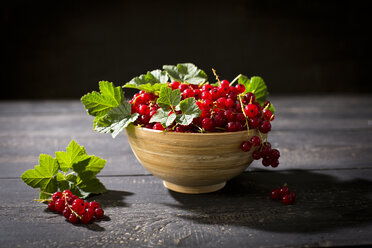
188 93
249 97
197 94
284 191
231 127
275 195
246 146
240 88
238 126
206 95
183 87
208 124
254 122
225 84
52 206
206 87
256 155
266 162
265 127
56 196
73 219
221 103
78 206
158 126
144 109
66 212
229 115
240 117
71 199
267 115
288 199
256 141
274 154
60 204
229 103
87 217
98 213
207 104
275 163
251 110
174 85
93 205
266 150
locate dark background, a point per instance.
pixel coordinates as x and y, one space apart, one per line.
61 49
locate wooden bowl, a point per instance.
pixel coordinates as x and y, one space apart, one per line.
191 163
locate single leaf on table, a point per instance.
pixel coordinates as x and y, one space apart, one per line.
150 82
189 111
43 175
74 153
186 73
165 117
99 104
168 97
116 120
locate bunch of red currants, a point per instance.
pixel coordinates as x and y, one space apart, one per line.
75 209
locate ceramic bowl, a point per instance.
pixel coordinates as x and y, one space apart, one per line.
191 163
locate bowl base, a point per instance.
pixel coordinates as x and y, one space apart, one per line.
194 190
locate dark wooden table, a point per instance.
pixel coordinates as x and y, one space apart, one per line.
326 147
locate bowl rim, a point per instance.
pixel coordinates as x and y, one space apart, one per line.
193 134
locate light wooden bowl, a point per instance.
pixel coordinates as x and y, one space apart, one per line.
191 163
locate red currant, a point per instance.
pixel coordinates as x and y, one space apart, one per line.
265 127
56 196
52 206
246 146
251 110
78 206
275 195
158 126
99 213
256 141
288 198
73 219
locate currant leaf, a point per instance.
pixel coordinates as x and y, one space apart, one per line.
168 97
116 120
186 73
150 82
165 117
99 104
189 111
43 175
74 153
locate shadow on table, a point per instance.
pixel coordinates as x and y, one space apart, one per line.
112 198
322 203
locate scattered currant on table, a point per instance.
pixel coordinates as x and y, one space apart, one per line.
75 209
283 194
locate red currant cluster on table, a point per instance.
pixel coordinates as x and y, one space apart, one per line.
284 195
224 108
75 209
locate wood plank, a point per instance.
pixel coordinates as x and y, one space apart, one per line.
333 208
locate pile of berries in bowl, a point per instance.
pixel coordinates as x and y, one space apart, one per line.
193 134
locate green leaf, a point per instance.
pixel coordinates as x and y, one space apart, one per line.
74 153
90 185
168 97
99 104
43 175
165 117
150 82
116 120
186 73
257 86
189 111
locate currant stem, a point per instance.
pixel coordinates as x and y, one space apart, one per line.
215 74
236 78
246 118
